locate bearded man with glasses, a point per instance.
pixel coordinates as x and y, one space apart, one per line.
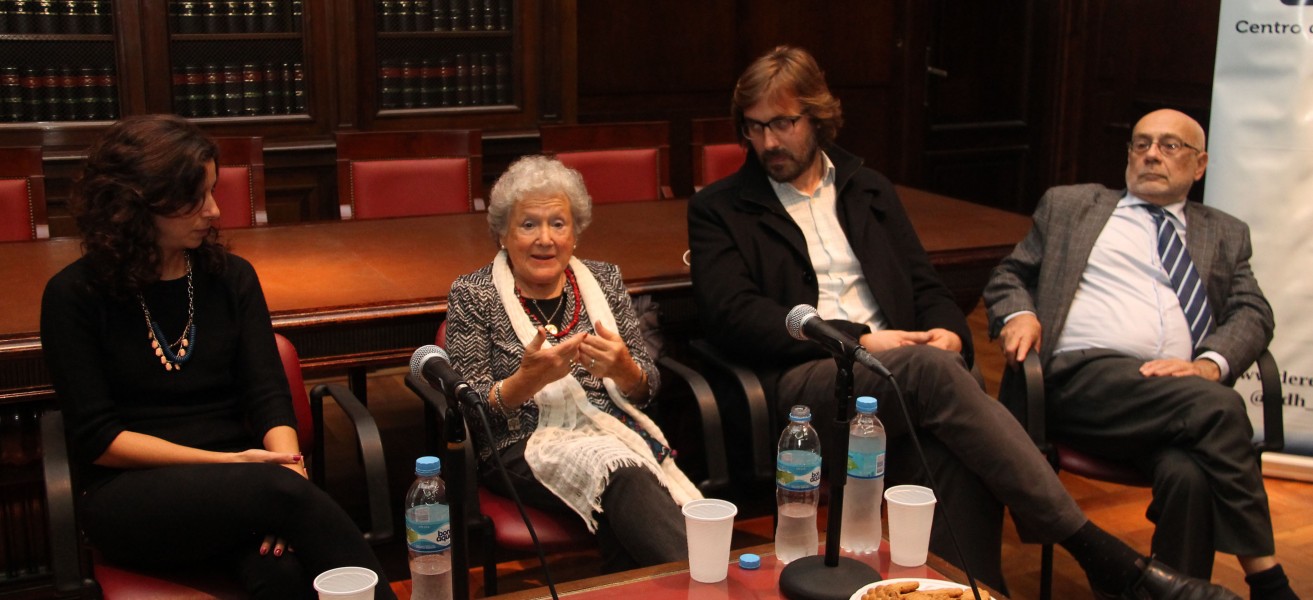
1144 309
803 222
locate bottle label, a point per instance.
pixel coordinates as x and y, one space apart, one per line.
428 527
866 465
798 470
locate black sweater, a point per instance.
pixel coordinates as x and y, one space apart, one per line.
108 379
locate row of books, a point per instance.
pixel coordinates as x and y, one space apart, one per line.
64 17
443 15
236 16
474 79
62 93
239 90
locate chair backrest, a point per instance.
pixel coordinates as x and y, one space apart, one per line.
22 195
305 427
408 173
620 162
240 190
716 150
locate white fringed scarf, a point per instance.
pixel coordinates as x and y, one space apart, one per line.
575 447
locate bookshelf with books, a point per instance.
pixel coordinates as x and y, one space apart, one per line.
57 61
457 63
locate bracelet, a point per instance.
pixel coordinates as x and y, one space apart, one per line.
642 378
496 394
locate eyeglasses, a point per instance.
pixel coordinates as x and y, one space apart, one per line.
1168 146
753 128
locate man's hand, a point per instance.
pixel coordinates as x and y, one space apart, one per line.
1019 337
888 339
944 340
1175 367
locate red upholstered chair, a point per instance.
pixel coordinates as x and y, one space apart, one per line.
22 195
240 189
620 162
75 567
1023 393
408 173
495 518
717 153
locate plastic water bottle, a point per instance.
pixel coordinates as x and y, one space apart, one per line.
428 532
797 487
864 490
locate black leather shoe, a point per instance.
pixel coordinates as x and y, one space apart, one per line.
1159 582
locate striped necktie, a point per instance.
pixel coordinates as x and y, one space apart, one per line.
1185 279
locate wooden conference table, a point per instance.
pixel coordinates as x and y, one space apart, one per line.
363 293
671 580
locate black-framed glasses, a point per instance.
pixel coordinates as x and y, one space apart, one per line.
780 125
1168 146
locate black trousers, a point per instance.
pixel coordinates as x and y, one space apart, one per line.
1190 435
172 517
639 525
980 456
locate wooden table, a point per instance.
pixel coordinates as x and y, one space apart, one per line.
367 293
672 580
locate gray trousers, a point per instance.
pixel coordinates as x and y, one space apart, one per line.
1190 435
980 456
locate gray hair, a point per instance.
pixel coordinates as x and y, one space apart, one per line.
537 176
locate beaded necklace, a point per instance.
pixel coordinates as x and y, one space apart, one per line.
546 323
180 351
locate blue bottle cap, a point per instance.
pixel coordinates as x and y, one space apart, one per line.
749 561
800 413
428 466
867 404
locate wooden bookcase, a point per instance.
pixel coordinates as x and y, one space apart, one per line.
294 72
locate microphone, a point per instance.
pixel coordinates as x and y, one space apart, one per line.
804 323
433 365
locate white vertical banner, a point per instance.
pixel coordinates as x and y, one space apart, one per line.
1260 169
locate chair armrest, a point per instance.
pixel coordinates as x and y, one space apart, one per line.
1274 430
66 565
371 453
759 410
712 435
1036 425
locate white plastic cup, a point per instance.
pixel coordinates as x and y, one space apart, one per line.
710 525
911 513
346 583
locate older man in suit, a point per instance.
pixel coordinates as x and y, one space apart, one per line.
1143 307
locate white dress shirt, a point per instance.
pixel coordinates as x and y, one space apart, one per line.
1125 300
844 291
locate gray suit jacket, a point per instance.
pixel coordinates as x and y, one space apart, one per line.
1044 270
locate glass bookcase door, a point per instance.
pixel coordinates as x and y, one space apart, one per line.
57 61
445 55
234 59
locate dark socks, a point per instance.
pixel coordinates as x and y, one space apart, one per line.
1108 562
1270 585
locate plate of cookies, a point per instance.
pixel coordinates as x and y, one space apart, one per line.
916 589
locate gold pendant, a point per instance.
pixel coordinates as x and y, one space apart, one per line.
551 329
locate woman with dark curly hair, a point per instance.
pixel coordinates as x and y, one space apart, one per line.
162 354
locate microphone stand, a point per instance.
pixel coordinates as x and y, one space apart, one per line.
831 576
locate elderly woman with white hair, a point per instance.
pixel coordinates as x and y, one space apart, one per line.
552 342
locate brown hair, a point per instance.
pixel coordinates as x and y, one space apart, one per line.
793 71
141 167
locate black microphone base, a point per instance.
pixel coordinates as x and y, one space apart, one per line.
808 578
